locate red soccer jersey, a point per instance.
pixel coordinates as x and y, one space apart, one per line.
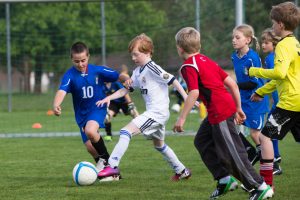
203 74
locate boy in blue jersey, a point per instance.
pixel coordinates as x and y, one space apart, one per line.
85 82
124 103
242 37
269 41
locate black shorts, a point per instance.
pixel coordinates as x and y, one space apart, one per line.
280 123
114 106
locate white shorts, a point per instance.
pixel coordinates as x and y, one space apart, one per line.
149 127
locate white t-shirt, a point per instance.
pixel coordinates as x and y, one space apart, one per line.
153 83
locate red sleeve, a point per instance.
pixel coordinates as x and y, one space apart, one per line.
223 74
190 75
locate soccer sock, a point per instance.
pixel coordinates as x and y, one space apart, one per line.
97 159
266 170
263 186
171 158
101 149
224 180
108 129
120 148
276 148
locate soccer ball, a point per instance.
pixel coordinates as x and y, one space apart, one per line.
84 173
175 108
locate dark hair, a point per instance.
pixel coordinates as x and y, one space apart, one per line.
287 13
79 47
269 35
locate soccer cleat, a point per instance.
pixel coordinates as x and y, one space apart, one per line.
100 164
224 188
108 171
246 189
276 168
261 194
185 174
278 159
108 138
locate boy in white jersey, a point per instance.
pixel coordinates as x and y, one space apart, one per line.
153 83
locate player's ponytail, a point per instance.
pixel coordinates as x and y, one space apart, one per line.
256 43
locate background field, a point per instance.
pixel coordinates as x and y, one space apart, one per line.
41 168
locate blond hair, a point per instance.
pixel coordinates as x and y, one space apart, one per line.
144 42
287 13
248 32
269 36
188 39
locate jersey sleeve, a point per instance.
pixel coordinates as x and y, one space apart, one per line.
160 75
281 64
190 75
65 84
119 85
267 88
107 74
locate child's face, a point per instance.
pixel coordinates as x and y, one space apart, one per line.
80 61
239 40
267 46
140 58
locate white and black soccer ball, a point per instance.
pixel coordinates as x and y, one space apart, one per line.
84 173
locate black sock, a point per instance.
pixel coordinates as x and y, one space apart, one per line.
97 159
101 149
108 129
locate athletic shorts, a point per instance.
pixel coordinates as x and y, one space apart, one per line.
255 121
96 115
115 106
149 127
281 122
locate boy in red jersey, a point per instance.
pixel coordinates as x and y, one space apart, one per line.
217 140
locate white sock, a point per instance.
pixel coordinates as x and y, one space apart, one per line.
119 149
224 180
171 158
263 186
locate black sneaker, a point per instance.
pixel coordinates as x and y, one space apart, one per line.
261 194
276 168
224 188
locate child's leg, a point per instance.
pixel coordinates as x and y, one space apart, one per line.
267 158
168 155
122 145
91 131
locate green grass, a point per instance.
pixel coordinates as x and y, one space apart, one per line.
41 168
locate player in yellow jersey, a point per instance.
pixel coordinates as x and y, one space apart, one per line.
286 79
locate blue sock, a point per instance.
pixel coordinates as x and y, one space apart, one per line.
276 148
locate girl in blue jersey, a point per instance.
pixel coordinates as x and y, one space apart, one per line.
269 41
244 56
85 82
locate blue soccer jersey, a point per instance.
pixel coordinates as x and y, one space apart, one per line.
86 89
251 59
112 88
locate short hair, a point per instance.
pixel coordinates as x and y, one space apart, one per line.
287 13
144 42
188 39
248 31
269 35
79 47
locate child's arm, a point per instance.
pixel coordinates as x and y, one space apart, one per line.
118 94
58 99
268 88
234 90
188 105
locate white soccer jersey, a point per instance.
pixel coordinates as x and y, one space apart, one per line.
153 83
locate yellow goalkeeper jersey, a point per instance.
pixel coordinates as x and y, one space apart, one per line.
285 75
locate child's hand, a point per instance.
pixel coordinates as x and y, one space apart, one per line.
57 110
197 104
178 127
239 117
255 97
100 103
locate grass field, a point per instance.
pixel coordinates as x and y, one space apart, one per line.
41 168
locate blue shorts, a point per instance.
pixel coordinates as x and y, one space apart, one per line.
96 115
255 121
